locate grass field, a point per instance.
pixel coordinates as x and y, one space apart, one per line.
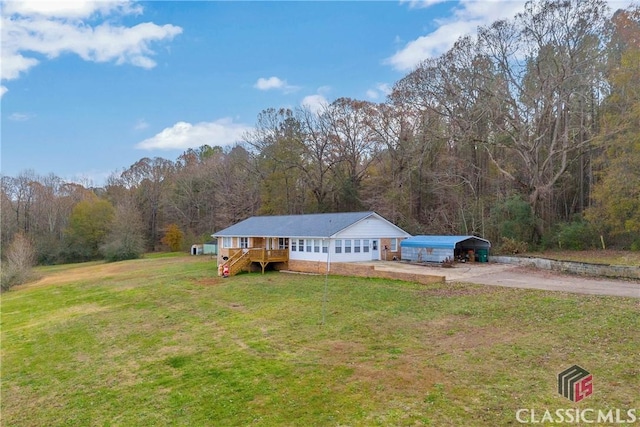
162 341
595 256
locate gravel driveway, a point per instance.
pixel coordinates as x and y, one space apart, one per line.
519 277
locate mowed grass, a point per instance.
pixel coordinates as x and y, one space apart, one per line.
164 342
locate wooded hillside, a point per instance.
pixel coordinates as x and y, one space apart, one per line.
528 131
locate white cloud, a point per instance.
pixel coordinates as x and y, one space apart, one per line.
315 103
20 117
3 90
421 4
141 124
380 90
274 82
270 83
372 94
184 135
465 20
54 28
69 8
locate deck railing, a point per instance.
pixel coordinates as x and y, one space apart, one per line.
240 258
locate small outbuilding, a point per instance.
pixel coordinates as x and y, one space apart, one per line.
210 248
441 248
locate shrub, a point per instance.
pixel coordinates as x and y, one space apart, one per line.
20 258
577 235
512 246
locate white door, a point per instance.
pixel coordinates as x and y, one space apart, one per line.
375 250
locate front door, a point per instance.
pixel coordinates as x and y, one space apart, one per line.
375 250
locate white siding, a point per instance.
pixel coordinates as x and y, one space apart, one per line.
353 256
333 256
307 256
369 228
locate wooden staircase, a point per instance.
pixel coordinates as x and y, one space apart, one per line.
241 258
237 262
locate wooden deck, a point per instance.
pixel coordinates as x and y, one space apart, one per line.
240 258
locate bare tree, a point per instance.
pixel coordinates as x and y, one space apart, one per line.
20 258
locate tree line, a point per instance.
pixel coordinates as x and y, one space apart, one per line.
527 133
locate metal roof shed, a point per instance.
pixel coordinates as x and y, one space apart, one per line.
439 248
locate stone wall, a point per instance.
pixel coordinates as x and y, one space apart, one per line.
605 270
361 270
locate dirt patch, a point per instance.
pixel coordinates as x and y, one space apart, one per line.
398 374
512 276
446 335
382 371
100 270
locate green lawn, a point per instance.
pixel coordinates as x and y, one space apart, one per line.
162 341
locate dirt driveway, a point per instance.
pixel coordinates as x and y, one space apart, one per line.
519 277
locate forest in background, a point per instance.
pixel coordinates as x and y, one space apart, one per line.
527 134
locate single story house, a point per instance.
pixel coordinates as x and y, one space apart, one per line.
308 242
441 248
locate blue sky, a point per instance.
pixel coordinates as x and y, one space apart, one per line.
90 88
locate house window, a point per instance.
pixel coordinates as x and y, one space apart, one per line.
356 246
301 245
309 243
394 245
283 243
325 246
294 245
347 246
365 245
338 246
244 242
227 242
316 245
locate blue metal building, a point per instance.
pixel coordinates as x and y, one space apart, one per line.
440 248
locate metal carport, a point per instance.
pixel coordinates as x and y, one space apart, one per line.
440 248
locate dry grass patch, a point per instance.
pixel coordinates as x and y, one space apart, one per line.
595 256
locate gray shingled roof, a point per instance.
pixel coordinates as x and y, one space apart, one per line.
312 225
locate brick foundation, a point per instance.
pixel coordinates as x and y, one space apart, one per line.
361 270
